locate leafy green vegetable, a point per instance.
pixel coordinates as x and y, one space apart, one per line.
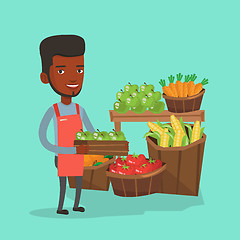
185 141
155 135
170 142
189 131
97 164
201 132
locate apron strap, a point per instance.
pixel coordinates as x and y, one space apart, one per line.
77 108
56 110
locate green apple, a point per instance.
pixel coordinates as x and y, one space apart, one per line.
139 109
120 107
102 137
131 88
147 101
146 88
141 95
121 134
157 107
131 102
122 95
95 135
78 135
157 95
88 135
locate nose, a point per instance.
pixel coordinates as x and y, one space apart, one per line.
73 81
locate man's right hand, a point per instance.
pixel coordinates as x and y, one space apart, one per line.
82 149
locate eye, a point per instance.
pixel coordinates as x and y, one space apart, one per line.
80 71
60 71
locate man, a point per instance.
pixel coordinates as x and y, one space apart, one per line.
63 68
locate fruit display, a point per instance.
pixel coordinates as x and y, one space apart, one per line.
178 134
182 89
134 165
101 135
138 99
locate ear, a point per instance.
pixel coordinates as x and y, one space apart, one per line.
44 78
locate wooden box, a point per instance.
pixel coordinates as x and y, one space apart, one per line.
116 148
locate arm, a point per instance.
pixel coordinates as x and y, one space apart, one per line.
86 120
43 135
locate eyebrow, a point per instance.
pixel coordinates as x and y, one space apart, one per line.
80 66
61 66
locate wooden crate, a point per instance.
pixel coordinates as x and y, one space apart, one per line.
94 177
116 148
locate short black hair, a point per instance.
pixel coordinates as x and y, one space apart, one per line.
64 45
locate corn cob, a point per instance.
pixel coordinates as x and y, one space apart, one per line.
164 139
196 131
177 141
154 127
176 125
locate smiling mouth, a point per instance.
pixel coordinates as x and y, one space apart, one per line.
72 85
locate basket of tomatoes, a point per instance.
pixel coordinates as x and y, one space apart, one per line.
135 175
183 96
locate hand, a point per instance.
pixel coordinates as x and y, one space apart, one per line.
82 149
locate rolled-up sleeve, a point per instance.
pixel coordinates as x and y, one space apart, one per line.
43 135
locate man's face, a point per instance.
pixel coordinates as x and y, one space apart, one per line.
66 75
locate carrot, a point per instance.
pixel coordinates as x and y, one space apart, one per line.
191 85
172 86
167 90
199 86
185 85
179 85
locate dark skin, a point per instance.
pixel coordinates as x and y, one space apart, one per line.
66 75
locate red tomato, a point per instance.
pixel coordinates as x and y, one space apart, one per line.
155 163
120 161
113 168
145 168
158 164
134 160
141 156
126 170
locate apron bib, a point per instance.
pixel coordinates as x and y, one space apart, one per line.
68 126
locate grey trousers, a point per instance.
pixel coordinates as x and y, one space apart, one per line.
63 182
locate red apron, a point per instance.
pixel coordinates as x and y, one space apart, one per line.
68 126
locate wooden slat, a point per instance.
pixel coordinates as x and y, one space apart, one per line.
148 116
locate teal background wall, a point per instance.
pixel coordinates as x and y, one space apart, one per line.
126 41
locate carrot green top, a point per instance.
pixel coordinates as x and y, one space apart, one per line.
179 77
171 78
187 78
193 77
162 82
204 81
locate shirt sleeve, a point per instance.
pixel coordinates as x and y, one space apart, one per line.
43 135
88 125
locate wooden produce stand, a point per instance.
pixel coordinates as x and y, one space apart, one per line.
147 116
184 164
